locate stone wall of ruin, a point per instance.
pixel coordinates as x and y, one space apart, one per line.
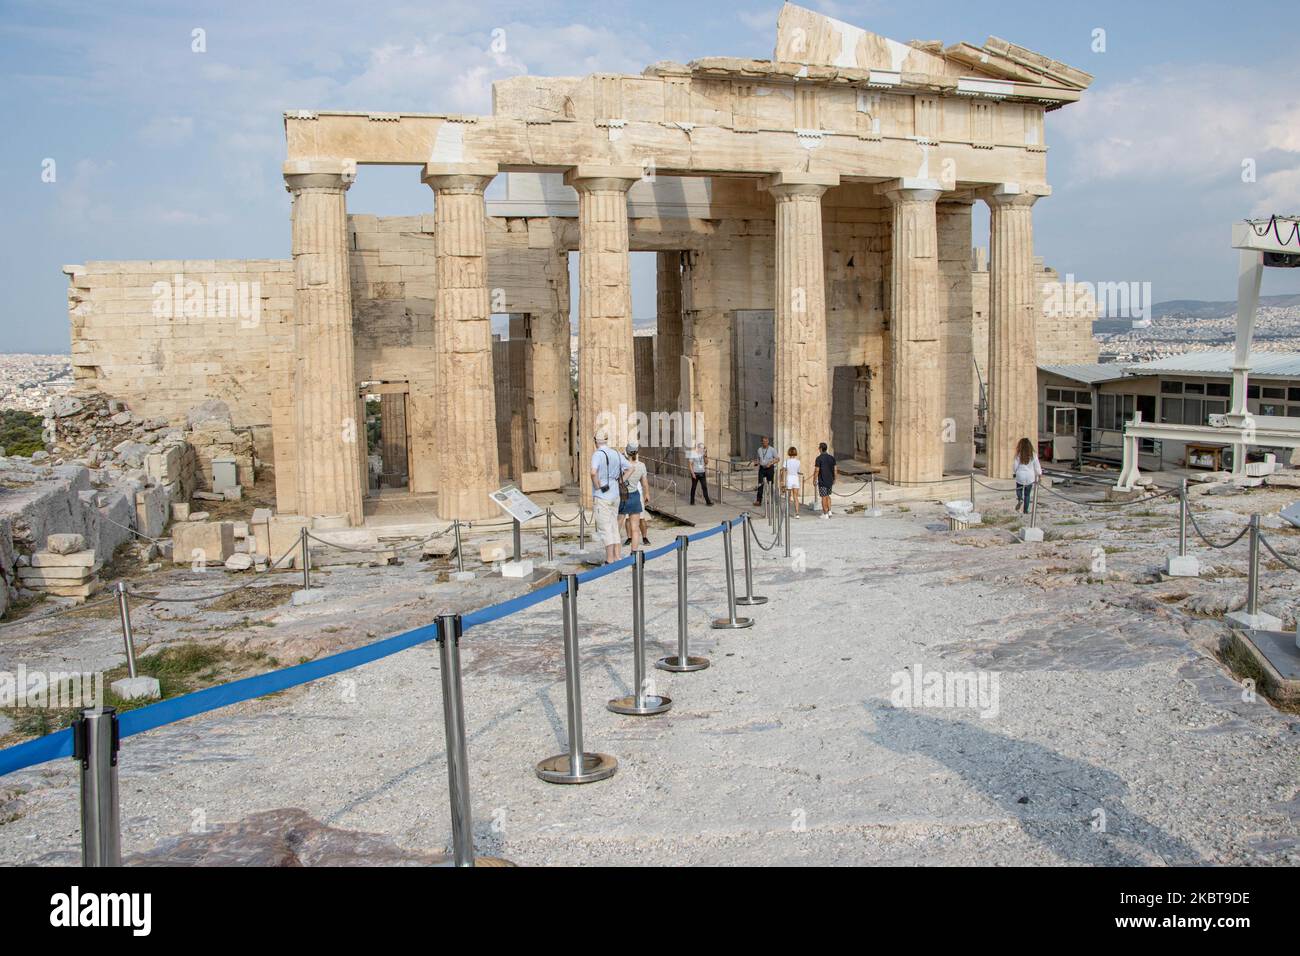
164 335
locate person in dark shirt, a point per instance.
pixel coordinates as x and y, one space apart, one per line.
825 472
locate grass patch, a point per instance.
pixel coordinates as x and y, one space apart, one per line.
179 669
254 598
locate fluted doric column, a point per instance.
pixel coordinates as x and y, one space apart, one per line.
465 403
606 363
1013 311
915 418
801 405
330 440
668 332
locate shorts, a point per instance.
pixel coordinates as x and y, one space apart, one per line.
823 491
607 521
632 504
791 482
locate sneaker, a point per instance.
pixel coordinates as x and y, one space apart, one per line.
626 542
645 540
825 516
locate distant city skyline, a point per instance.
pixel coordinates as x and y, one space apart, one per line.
1192 122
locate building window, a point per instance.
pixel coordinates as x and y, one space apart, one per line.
1114 410
1223 389
1272 391
1194 388
1171 388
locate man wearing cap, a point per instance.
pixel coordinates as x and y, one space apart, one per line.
607 467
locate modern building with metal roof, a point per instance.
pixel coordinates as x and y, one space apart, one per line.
1272 365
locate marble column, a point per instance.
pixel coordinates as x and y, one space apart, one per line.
915 416
1013 349
549 383
330 440
606 363
466 467
801 399
668 333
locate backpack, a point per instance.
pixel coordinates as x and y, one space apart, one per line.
622 485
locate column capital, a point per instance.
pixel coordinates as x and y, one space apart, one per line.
465 177
589 176
1014 194
319 174
910 189
791 183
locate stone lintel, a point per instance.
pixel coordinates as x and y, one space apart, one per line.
592 175
447 172
335 173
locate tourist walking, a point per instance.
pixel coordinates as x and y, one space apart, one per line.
607 468
793 479
632 508
698 460
825 472
1026 470
766 462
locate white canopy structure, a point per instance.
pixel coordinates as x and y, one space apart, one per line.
1274 243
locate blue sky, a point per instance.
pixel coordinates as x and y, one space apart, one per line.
161 152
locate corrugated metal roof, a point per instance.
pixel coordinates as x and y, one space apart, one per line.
1262 365
1091 373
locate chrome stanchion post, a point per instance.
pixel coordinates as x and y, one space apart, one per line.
550 543
787 530
582 526
1033 505
873 512
1252 584
730 621
460 557
1182 520
750 598
124 613
591 766
517 532
453 715
639 703
306 560
683 662
972 487
95 743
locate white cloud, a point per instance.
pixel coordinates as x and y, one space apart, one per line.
167 131
1196 125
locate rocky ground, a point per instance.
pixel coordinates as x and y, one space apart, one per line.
1111 731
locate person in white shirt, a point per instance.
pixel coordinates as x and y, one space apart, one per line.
766 462
607 467
634 507
1026 470
793 479
699 464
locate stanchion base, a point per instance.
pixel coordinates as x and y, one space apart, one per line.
478 861
726 623
676 665
873 513
594 767
752 600
648 706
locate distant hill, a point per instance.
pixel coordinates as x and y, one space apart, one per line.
1200 309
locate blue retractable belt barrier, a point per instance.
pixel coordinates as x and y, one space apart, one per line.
59 744
497 611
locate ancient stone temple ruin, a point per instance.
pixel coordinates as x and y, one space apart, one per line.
812 219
